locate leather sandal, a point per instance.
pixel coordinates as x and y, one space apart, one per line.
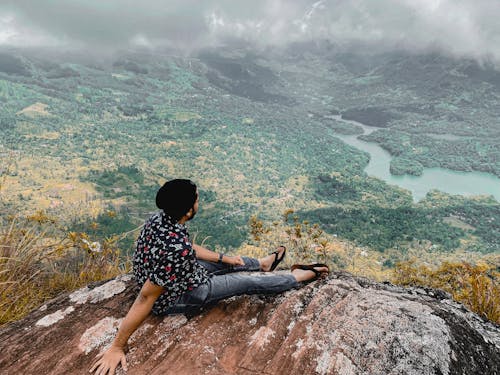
312 267
277 258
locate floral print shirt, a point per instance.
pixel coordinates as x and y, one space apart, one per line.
165 256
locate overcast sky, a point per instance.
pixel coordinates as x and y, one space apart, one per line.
469 28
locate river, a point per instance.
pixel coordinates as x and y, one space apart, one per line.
446 180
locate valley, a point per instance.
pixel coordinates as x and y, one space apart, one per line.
260 134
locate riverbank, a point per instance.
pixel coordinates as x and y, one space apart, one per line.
442 179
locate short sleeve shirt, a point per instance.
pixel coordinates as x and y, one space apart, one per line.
165 256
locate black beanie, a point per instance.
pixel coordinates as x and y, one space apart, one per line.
176 197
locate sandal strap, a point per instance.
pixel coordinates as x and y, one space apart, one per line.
277 260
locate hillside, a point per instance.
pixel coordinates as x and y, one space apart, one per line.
89 142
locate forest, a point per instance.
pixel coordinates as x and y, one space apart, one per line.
103 137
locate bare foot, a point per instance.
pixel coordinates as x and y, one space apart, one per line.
305 275
267 261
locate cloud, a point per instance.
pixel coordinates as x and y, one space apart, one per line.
458 27
14 33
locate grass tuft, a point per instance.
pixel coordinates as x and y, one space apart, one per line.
476 286
39 260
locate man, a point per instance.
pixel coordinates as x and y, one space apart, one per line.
177 276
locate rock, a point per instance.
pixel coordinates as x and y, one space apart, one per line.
340 325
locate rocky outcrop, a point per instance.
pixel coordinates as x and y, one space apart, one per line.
340 325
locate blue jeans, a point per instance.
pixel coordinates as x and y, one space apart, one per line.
224 282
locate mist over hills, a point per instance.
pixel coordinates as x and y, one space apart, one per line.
257 130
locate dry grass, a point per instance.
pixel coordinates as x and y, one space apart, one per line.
305 243
308 243
38 261
475 283
476 286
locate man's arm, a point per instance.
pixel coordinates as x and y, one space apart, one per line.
109 360
211 256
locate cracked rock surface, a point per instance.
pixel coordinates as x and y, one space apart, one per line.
339 325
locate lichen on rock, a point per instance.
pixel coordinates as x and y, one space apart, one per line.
261 336
53 318
99 293
99 335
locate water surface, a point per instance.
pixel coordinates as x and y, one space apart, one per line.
446 180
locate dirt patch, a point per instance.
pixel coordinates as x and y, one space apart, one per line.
35 110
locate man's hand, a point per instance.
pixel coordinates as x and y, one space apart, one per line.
234 260
108 361
210 256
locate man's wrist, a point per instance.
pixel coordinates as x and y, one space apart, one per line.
221 256
118 345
